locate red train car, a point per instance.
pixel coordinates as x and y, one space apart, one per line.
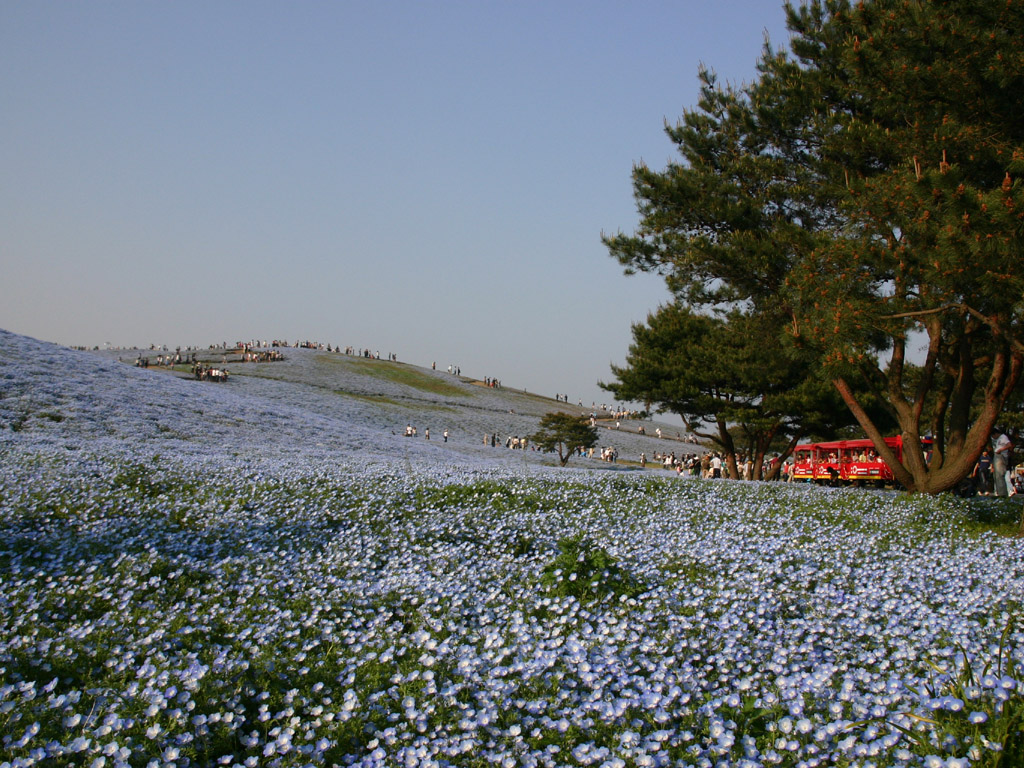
846 461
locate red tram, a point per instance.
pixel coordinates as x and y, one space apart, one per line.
846 461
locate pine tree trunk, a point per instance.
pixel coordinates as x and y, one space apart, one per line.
730 448
913 473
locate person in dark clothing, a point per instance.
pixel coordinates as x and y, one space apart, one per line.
983 473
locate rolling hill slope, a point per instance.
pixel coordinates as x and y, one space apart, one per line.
317 404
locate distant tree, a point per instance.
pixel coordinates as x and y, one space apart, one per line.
731 373
565 434
725 226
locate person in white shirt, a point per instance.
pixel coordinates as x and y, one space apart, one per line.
1001 462
716 466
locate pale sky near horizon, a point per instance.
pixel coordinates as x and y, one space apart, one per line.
424 178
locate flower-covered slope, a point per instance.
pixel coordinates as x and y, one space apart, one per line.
320 592
316 402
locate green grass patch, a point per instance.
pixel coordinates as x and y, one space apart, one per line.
374 399
398 373
1002 516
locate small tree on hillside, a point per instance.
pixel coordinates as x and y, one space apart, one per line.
564 434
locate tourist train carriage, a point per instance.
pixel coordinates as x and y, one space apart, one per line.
846 461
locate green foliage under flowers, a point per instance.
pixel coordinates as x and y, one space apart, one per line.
977 714
587 572
401 374
992 697
496 495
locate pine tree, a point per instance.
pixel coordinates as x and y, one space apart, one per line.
565 434
868 188
732 373
921 133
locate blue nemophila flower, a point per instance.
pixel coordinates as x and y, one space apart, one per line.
953 704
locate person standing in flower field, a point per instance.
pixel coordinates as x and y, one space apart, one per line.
983 473
716 466
1001 462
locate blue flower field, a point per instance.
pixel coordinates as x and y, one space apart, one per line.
267 573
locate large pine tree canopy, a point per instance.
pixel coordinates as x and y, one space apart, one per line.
865 196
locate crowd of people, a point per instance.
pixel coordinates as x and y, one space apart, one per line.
209 373
708 465
623 413
711 465
250 355
512 442
364 352
165 359
252 352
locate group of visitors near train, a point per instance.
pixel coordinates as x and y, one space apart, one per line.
712 466
709 466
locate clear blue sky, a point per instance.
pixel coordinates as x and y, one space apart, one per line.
425 178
